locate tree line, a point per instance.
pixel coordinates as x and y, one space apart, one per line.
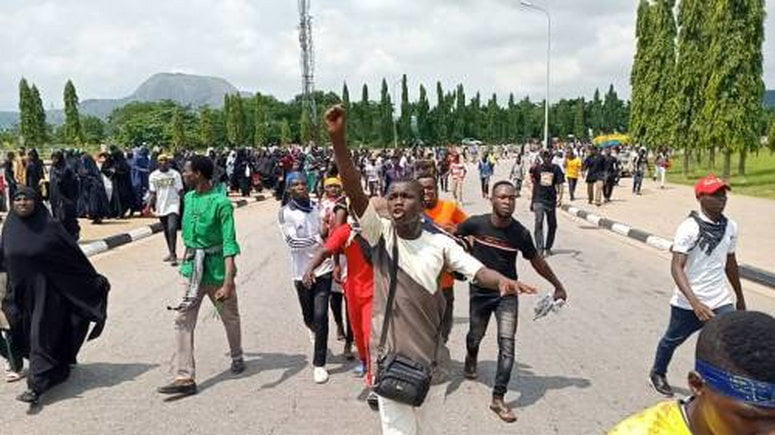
697 79
447 117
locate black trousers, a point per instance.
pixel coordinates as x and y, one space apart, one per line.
572 182
550 212
483 304
170 227
314 309
337 300
449 313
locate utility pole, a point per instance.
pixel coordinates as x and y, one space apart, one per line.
307 65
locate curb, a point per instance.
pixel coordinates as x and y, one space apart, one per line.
116 240
748 272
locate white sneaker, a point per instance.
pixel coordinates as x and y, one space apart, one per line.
11 376
320 375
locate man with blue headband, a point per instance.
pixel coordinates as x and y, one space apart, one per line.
733 384
304 231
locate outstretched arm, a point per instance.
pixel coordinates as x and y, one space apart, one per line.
351 178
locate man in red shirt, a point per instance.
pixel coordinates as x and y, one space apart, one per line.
358 283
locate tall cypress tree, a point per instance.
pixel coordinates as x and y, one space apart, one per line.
178 131
367 122
691 77
732 112
579 120
260 123
596 114
638 116
423 110
385 115
405 122
73 132
207 132
39 133
459 130
26 115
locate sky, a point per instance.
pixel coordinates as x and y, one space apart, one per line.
494 46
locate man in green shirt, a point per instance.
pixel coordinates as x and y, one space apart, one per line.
211 245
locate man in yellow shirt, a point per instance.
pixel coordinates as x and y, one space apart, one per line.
572 172
733 384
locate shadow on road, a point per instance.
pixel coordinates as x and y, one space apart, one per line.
261 362
92 376
531 387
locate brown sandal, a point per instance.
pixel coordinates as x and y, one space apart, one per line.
504 412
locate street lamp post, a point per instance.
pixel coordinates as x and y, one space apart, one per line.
529 4
395 115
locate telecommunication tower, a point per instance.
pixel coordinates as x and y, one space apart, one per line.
307 62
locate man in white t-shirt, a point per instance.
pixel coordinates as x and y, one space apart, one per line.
703 260
423 252
166 189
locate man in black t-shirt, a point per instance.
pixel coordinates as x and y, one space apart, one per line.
594 166
495 240
547 178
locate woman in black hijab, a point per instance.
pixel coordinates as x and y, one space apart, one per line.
63 196
54 293
92 198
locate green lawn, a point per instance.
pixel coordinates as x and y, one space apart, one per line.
758 181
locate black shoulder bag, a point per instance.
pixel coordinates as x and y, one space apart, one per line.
398 377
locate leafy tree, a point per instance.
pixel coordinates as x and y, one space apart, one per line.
732 111
94 130
405 121
178 131
40 131
305 126
260 124
459 129
73 132
236 121
285 132
423 112
207 130
367 120
26 113
385 115
771 136
579 120
596 120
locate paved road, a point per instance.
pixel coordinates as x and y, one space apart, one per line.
578 373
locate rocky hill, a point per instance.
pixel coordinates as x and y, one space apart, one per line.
185 89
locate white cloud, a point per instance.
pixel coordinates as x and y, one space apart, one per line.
109 48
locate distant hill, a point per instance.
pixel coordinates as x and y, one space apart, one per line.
769 99
185 89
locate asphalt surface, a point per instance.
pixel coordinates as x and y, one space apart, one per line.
578 372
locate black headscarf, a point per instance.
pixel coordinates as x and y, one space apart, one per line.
711 233
38 245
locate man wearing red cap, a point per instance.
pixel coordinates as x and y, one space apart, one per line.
703 260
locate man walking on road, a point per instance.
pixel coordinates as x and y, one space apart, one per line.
610 174
166 188
497 239
547 177
209 264
303 230
447 215
703 260
594 166
418 258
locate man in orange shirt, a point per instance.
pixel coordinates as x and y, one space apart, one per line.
447 215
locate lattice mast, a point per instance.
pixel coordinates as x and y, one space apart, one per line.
307 63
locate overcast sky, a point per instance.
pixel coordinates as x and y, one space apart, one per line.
109 47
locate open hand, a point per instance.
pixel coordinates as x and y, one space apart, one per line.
703 312
514 287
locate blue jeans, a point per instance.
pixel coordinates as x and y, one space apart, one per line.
483 304
683 323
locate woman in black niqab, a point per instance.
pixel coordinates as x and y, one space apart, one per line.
54 294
